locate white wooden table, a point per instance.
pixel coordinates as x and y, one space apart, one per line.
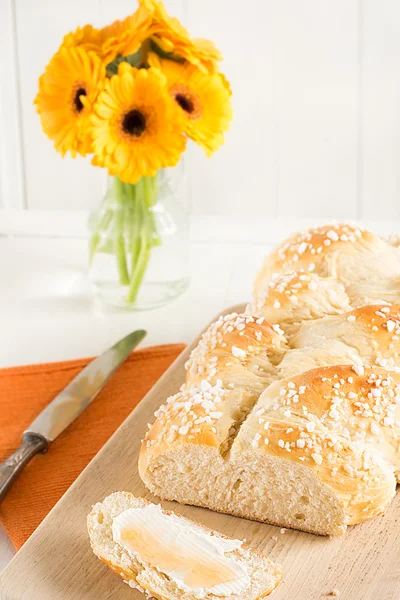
47 312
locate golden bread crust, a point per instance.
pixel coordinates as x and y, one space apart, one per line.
351 255
236 343
241 400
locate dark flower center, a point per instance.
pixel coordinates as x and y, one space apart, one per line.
185 103
134 123
77 99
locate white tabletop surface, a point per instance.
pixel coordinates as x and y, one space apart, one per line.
47 311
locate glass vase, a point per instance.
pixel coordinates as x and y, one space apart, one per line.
139 244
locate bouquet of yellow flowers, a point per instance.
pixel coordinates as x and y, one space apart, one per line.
130 95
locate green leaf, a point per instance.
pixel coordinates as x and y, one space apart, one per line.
133 59
138 59
166 55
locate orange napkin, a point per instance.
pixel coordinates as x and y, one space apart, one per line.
25 391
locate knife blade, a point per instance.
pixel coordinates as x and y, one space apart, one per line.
66 407
82 390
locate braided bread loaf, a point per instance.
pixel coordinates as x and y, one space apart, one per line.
296 423
326 271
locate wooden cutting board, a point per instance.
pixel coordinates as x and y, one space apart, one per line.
56 563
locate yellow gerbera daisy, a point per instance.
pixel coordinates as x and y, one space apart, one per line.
67 91
173 37
203 99
87 37
136 127
160 15
150 21
226 83
122 38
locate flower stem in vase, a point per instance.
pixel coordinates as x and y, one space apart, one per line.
119 242
152 183
93 245
144 233
100 234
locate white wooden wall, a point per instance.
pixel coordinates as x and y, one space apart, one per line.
316 128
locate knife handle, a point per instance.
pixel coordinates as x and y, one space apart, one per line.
14 464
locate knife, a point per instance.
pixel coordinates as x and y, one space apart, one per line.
65 408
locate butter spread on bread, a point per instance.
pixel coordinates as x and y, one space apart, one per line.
195 560
170 557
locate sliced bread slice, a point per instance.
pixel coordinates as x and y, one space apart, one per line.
168 557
